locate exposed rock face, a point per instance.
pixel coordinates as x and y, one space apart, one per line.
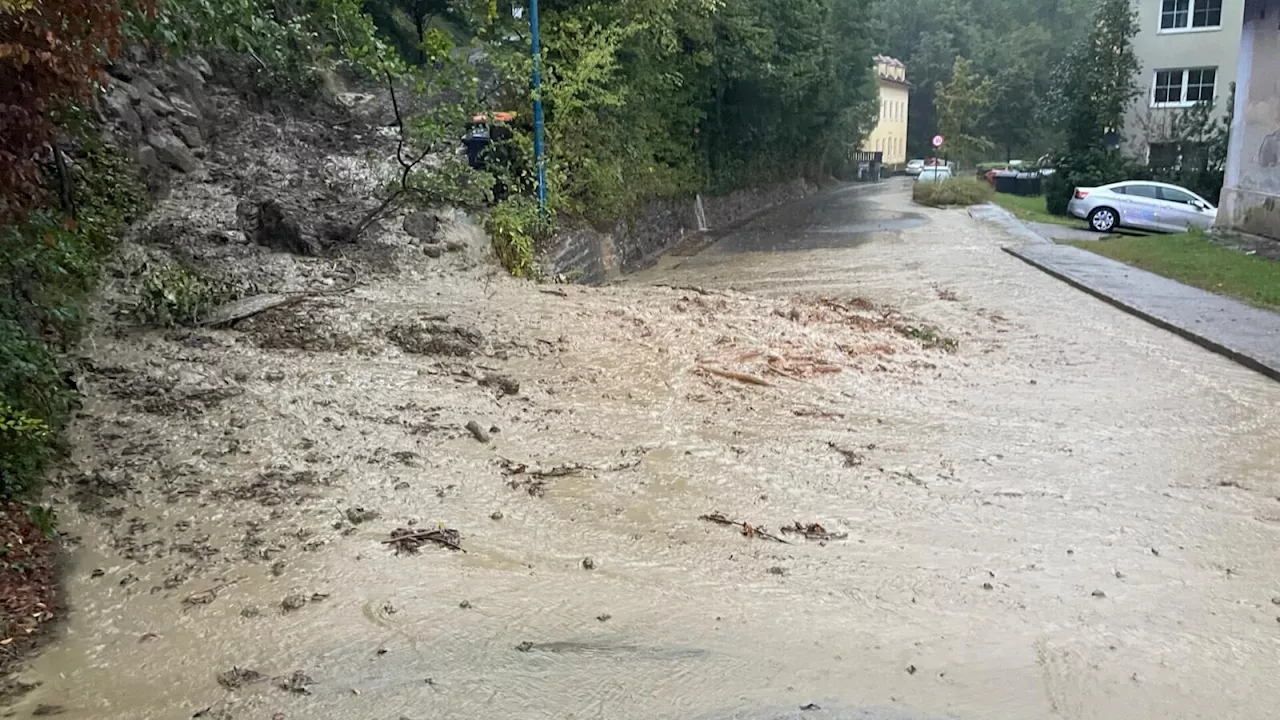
162 108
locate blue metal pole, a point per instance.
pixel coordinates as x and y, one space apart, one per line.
539 132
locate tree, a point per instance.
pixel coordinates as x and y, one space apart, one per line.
1095 87
927 35
961 105
1011 122
51 52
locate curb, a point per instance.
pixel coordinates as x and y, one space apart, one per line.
1271 371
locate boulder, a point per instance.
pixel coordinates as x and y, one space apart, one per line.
269 224
157 105
121 107
151 122
149 160
191 136
173 152
185 111
421 225
201 65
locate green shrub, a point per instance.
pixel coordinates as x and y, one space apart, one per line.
1057 194
956 191
515 227
48 264
25 447
175 295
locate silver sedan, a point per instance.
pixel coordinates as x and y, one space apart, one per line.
1143 205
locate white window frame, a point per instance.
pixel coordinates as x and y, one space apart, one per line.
1188 28
1186 73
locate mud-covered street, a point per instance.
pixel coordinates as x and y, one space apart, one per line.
1031 504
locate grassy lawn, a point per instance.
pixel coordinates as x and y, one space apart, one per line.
1191 259
1027 207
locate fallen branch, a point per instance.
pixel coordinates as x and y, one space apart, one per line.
748 529
816 413
510 467
257 304
557 293
410 541
694 289
735 375
813 531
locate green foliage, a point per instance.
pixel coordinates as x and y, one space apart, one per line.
961 104
515 228
48 265
1014 104
175 295
24 448
44 519
1095 86
647 99
995 35
956 191
290 42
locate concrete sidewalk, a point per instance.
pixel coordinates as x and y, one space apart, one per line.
1246 334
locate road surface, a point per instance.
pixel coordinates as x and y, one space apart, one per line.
1042 507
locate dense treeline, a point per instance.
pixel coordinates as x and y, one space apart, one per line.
648 98
1016 44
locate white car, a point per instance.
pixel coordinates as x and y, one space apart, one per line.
915 167
1143 205
938 174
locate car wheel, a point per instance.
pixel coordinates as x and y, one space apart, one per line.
1103 219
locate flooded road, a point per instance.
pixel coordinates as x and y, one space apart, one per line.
1039 507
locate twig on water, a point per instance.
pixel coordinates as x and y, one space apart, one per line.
411 541
735 375
748 529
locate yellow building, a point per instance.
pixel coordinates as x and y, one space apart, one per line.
890 134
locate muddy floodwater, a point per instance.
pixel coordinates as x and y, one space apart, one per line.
1034 505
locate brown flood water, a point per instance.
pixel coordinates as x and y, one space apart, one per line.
1072 515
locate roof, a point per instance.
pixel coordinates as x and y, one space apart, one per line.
886 60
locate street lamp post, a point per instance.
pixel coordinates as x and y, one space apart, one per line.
539 132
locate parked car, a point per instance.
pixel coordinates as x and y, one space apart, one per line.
915 167
1143 205
938 174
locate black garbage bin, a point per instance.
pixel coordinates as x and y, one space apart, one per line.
1006 181
1028 183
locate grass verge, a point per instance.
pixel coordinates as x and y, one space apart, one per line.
1192 259
957 191
1031 208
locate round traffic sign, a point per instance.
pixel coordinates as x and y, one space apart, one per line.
938 140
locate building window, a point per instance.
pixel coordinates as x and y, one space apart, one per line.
1200 84
1183 87
1189 14
1177 156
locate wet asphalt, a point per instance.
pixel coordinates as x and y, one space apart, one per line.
840 217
